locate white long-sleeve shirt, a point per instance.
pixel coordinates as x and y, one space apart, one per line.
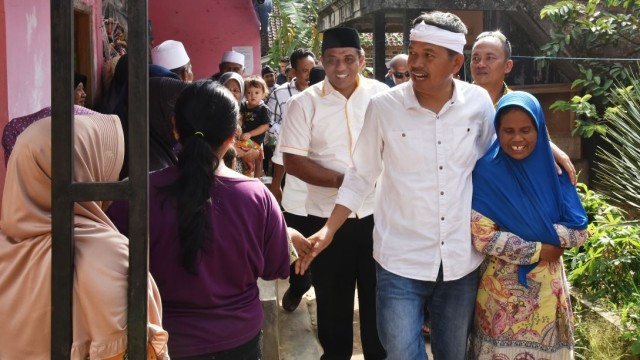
420 163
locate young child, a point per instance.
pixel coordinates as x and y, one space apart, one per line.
255 119
246 150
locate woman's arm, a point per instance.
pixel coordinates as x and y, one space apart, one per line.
507 246
488 240
571 237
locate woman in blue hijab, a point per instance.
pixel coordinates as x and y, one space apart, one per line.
524 216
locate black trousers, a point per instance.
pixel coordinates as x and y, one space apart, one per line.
346 263
298 284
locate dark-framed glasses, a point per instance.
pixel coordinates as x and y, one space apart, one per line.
401 75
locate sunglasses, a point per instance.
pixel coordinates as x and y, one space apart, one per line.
401 75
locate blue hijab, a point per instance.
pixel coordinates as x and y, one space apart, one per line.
526 197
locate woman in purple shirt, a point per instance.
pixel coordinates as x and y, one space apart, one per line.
213 232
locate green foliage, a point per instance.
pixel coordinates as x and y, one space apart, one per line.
297 29
581 105
594 29
607 267
618 172
596 338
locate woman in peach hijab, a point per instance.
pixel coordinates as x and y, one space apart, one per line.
101 252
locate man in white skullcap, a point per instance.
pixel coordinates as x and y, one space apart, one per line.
172 55
417 148
231 61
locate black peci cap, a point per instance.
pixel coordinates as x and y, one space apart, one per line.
340 37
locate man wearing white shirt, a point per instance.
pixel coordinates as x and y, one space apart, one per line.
418 147
293 200
320 130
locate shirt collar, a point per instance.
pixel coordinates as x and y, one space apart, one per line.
411 100
505 91
327 88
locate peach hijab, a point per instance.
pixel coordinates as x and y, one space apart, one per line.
101 252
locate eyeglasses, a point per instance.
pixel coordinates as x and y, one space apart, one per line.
401 75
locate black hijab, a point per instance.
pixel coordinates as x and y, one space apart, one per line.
163 92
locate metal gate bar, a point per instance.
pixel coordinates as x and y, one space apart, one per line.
65 192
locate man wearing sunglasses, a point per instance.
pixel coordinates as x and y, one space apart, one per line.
398 70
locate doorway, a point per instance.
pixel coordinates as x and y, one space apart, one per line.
83 50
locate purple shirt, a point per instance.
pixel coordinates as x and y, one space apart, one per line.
219 308
16 126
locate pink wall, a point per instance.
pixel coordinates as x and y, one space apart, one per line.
4 116
26 48
25 57
207 28
28 55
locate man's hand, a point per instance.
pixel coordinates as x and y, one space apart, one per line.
300 243
319 241
563 162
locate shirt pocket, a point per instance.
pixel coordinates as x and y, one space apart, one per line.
465 147
403 151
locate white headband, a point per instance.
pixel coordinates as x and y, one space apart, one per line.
437 36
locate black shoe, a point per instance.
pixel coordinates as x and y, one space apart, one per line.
290 301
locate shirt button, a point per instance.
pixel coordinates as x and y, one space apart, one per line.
468 129
440 167
439 142
441 192
403 134
442 243
442 218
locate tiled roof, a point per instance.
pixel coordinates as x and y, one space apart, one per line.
274 24
392 39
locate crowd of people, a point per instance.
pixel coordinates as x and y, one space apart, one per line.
424 193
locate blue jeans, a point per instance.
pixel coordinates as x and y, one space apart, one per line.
400 310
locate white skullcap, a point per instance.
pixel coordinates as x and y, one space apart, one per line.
170 54
233 57
437 36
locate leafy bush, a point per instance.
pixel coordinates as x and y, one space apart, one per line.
596 338
603 34
606 268
297 28
618 172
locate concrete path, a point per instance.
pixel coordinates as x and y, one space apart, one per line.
298 331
